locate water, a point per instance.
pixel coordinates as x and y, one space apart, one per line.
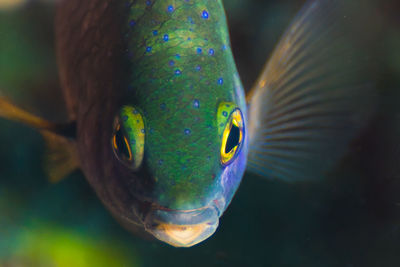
350 219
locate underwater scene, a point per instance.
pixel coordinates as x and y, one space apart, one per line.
200 133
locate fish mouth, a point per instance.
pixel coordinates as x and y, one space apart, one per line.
182 228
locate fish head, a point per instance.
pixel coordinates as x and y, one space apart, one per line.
193 161
181 126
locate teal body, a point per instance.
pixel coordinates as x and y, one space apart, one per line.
182 69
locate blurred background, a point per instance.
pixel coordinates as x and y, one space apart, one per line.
350 219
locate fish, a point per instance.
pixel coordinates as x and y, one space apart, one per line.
159 121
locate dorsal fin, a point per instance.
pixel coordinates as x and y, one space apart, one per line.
61 158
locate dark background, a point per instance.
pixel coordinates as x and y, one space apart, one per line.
350 219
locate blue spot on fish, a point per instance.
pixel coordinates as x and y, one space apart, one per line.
198 68
171 63
211 52
170 8
132 23
196 103
199 50
178 72
205 14
225 114
166 37
148 2
220 81
155 32
148 49
187 131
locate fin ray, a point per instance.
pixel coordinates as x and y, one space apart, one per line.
311 99
11 112
61 156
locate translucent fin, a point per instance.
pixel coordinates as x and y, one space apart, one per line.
312 97
11 112
61 158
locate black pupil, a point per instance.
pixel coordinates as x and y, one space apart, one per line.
233 139
121 145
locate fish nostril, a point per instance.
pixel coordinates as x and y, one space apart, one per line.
219 205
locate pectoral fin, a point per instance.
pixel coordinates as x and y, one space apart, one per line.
61 158
312 98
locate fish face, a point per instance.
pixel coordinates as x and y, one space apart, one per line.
180 133
194 171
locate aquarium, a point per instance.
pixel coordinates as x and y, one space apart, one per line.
192 133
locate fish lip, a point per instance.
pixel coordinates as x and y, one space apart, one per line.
182 217
182 228
183 235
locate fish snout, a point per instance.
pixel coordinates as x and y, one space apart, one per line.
183 228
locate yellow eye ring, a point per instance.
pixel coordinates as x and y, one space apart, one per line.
232 137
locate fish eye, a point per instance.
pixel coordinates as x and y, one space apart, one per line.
121 146
232 137
128 137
